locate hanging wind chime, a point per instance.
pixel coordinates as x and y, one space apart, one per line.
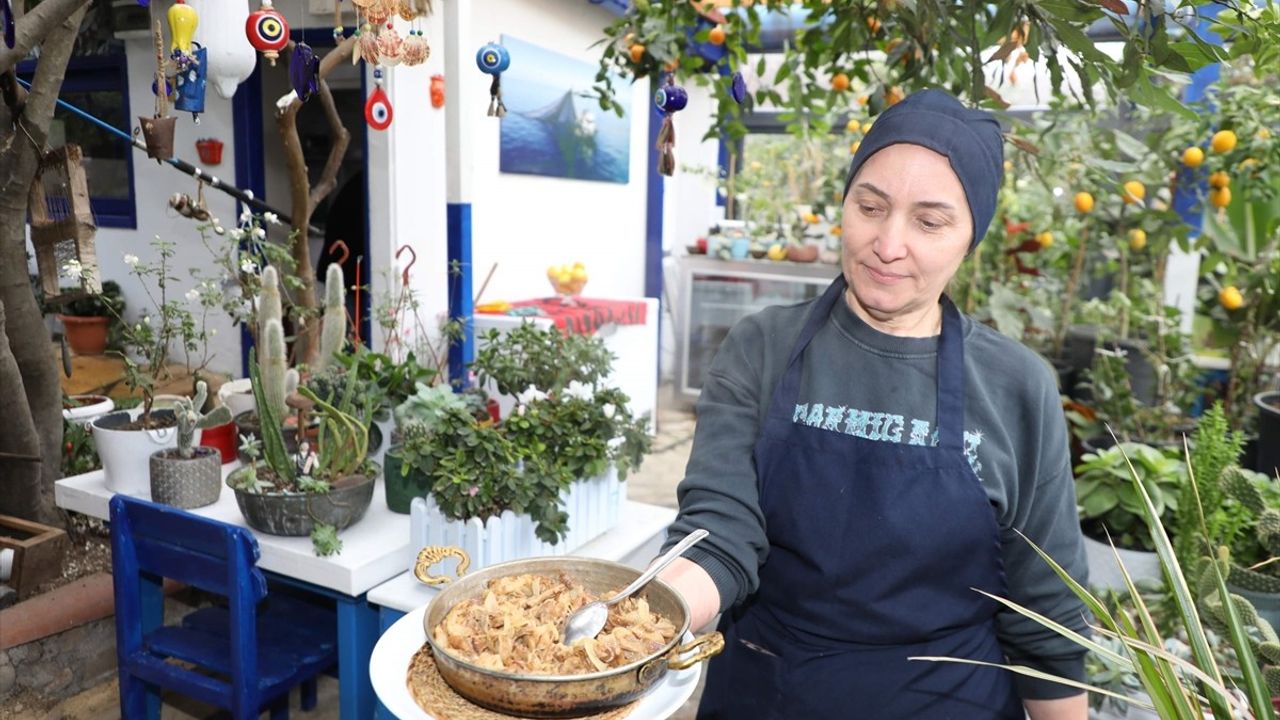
493 59
268 31
670 100
190 60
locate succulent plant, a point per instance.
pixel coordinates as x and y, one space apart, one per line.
190 417
333 328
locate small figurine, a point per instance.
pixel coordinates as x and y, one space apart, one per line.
493 59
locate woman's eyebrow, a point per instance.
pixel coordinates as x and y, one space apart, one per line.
927 204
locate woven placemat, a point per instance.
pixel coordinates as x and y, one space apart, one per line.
434 695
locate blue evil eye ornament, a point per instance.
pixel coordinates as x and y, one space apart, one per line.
304 71
493 59
671 98
738 88
191 82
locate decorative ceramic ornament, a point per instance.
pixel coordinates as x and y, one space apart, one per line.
231 57
377 110
390 46
183 20
437 91
493 59
304 71
415 50
267 31
670 100
191 84
738 88
10 28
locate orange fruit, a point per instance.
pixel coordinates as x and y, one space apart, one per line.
1137 239
1220 197
873 24
1134 191
1084 202
810 218
853 147
672 65
1192 157
835 230
1008 166
716 36
893 95
1231 298
1219 179
637 53
839 82
1224 141
863 100
1045 239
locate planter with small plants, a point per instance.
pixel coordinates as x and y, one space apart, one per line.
87 322
189 476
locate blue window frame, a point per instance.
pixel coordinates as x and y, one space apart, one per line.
98 85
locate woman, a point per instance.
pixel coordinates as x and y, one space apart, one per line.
867 460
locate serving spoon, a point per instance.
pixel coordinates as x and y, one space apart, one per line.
588 620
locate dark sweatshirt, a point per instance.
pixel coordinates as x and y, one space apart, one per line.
1015 439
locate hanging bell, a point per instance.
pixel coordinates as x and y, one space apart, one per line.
268 31
493 59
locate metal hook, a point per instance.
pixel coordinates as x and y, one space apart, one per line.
340 245
404 276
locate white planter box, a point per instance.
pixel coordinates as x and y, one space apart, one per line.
1104 573
594 506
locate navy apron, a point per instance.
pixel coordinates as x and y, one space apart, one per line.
875 548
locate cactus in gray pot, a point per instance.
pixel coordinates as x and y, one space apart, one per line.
333 328
190 417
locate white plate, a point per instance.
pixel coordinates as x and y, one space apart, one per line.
390 662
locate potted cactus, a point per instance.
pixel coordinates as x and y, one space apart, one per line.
189 476
279 380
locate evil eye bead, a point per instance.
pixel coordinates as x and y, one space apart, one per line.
738 88
671 98
377 111
493 59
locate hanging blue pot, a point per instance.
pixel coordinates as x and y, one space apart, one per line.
191 84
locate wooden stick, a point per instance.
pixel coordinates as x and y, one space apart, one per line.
485 284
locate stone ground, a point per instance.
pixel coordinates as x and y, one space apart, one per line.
654 483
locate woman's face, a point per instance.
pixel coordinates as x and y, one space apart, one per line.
906 230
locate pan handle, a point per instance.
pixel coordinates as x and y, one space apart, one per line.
703 648
432 554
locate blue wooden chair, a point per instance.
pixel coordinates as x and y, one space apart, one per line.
249 653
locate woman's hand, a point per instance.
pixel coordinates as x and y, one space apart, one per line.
696 587
1075 707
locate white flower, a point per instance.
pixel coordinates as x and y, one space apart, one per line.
245 217
193 295
259 234
529 395
146 319
131 260
271 218
236 234
248 266
580 390
608 410
137 327
72 269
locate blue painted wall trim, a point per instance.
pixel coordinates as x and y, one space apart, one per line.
653 207
461 296
246 124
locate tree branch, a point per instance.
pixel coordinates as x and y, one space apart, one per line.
35 26
329 178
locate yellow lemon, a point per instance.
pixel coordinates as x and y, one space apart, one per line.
1008 166
853 126
755 165
853 146
1084 202
776 252
1134 191
840 82
1045 239
1224 141
1137 239
1192 157
866 127
578 265
835 230
579 274
1231 298
552 272
1220 197
1219 179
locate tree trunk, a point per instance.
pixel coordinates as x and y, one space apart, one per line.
37 397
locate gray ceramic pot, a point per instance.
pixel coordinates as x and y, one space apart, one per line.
186 482
297 513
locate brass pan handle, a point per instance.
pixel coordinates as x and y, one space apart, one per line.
703 648
432 554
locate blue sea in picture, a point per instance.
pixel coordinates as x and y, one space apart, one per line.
550 127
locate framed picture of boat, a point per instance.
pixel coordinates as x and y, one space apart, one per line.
553 126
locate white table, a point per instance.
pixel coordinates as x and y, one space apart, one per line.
635 541
373 550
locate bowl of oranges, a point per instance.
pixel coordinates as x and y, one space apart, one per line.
567 280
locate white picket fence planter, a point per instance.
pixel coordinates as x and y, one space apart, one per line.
593 505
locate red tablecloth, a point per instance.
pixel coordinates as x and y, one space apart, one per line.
586 315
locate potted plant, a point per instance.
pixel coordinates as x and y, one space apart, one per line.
126 440
1111 509
84 409
281 380
309 492
189 476
87 321
420 426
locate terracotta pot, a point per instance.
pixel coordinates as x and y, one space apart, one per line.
157 133
223 438
802 253
86 335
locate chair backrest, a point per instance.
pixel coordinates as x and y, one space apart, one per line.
191 549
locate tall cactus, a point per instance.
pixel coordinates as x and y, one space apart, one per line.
190 417
275 367
334 325
269 306
271 424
